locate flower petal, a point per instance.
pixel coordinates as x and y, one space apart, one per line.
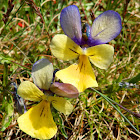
42 73
30 91
65 90
105 27
71 23
81 75
101 55
64 48
61 104
38 121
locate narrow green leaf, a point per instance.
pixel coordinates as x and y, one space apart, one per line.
135 79
109 101
8 110
120 78
62 128
6 122
5 75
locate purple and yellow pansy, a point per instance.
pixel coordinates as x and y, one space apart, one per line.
38 120
89 48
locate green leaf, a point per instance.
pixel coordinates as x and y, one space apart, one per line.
5 75
63 128
135 79
8 105
120 78
8 109
6 122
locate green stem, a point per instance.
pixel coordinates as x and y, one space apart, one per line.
133 113
109 101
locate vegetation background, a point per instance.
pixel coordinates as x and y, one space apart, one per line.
26 29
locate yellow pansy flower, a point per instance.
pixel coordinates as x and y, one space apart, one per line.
38 120
87 48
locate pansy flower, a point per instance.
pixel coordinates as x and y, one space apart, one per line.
89 48
38 120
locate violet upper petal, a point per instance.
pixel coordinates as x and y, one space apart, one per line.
105 27
71 23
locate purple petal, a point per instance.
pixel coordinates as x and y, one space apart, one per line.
105 27
64 90
71 23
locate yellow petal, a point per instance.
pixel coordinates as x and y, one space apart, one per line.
61 104
62 47
38 121
81 75
100 55
30 91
